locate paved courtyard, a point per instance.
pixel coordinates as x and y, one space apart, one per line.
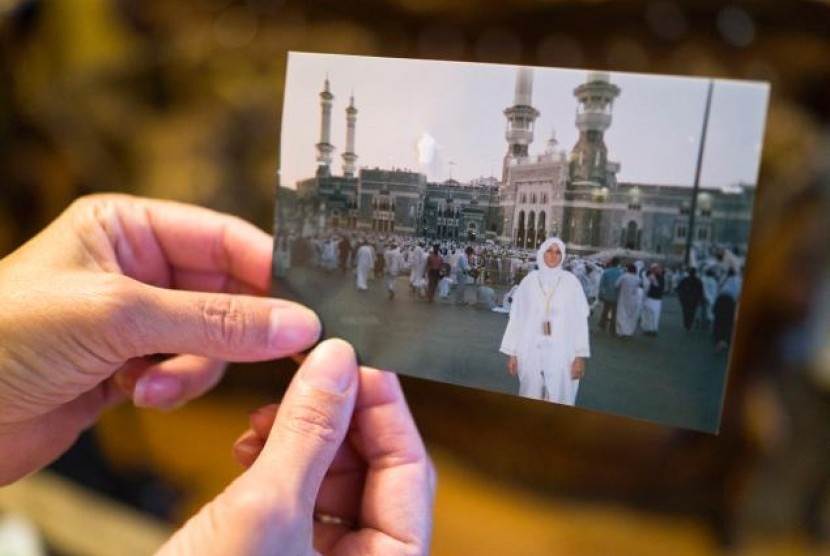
673 378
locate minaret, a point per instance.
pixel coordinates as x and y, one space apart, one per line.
520 120
589 156
349 157
324 147
583 227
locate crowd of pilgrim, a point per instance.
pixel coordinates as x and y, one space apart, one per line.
456 273
627 295
631 295
550 297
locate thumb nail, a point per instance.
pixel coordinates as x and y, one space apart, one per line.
158 391
331 367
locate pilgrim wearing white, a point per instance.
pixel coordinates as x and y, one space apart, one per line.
546 354
365 263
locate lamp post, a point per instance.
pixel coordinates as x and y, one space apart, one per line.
692 212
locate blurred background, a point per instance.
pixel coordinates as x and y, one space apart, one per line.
182 100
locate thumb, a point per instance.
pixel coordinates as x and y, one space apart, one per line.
222 326
268 509
311 423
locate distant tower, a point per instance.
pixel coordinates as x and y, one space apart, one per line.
552 144
520 120
349 157
589 156
584 228
324 147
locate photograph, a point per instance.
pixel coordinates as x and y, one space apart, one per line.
576 237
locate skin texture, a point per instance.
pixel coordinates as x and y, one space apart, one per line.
553 256
91 302
372 472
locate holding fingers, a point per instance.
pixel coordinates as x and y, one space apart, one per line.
113 281
337 467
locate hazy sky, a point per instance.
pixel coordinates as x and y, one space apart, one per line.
458 109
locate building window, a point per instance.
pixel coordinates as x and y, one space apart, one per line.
632 237
680 231
524 198
520 232
703 233
544 198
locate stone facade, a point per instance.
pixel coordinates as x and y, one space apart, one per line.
575 196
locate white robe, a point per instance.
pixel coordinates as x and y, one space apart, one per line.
418 263
444 287
629 301
452 259
394 263
710 293
365 264
650 318
545 361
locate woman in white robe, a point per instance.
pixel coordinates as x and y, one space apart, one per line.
629 302
546 339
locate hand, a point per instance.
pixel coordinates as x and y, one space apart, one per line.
338 468
578 368
512 365
86 304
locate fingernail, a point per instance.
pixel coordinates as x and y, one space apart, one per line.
293 327
249 446
157 391
331 367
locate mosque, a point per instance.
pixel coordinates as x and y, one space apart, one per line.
575 196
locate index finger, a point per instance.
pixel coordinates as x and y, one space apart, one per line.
165 242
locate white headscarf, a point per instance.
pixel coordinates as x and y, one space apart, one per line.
547 273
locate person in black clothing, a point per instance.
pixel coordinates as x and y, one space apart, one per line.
690 294
344 249
434 263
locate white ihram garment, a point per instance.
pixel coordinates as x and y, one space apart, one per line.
365 264
629 303
544 362
394 263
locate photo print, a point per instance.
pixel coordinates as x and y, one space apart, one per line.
576 237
